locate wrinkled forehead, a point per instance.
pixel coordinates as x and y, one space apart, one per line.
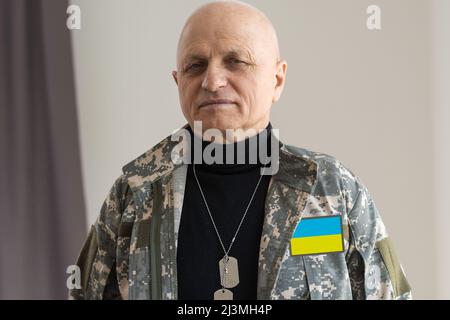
222 35
218 47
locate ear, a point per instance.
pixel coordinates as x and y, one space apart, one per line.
280 80
175 76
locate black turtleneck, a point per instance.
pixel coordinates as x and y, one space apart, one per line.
227 189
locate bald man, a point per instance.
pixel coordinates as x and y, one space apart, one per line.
222 209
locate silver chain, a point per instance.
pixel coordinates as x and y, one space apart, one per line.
212 220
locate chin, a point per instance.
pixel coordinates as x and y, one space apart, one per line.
218 118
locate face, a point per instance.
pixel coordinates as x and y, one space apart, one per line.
227 77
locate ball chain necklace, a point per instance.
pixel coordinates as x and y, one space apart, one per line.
228 265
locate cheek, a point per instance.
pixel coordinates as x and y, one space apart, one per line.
246 87
187 90
256 90
185 100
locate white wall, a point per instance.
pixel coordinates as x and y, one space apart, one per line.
363 96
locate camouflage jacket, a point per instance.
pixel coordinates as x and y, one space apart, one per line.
130 252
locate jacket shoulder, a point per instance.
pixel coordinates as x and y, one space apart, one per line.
329 168
154 163
335 182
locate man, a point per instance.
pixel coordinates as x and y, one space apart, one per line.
186 230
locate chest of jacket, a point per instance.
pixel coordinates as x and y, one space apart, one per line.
148 235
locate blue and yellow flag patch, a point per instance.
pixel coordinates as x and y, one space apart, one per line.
318 235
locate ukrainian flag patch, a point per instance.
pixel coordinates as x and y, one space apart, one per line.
318 235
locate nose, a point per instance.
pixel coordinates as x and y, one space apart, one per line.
215 79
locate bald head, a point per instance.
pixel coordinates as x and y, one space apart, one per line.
228 19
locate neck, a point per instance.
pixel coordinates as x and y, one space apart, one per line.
226 136
247 150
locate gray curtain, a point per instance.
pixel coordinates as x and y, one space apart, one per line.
42 220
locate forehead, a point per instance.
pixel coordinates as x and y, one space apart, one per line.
220 47
207 42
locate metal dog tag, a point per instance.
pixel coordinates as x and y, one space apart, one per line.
223 294
229 273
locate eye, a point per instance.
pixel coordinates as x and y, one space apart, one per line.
235 61
194 67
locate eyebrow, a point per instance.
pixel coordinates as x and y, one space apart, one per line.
241 53
191 57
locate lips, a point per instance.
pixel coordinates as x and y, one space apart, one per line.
216 101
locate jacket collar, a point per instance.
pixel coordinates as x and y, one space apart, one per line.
295 169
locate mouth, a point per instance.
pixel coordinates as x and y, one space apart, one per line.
217 103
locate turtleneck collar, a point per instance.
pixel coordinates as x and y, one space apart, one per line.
250 145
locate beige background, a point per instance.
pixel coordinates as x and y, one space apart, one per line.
377 100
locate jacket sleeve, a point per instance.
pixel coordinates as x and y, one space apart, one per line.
374 269
96 260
